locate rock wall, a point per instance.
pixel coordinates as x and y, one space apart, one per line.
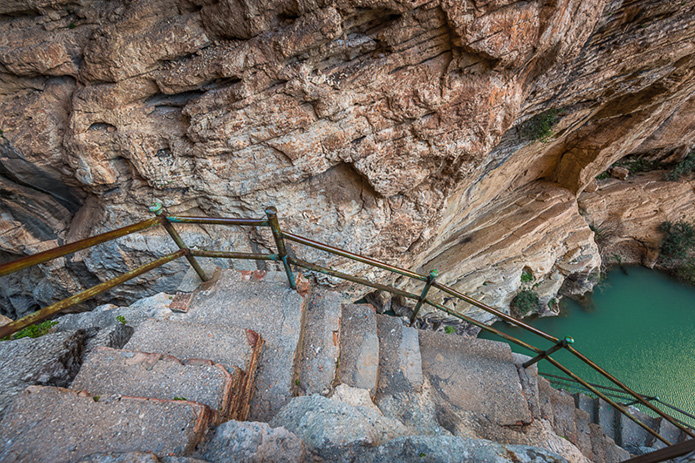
403 130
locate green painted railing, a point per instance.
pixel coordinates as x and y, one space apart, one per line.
287 261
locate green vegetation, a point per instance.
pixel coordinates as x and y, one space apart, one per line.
72 26
526 276
95 398
603 175
686 271
450 330
638 165
540 126
179 398
121 319
296 381
679 239
683 168
523 303
677 247
33 331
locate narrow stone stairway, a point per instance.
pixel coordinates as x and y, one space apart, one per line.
624 431
333 381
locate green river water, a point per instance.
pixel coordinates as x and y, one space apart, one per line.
640 327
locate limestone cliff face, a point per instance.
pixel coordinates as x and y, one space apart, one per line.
397 129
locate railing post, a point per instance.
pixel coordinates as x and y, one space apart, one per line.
272 214
562 343
158 210
428 284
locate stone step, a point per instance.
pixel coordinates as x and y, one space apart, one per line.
545 392
608 418
320 349
263 302
55 425
358 363
564 415
138 374
668 431
588 404
227 345
603 448
529 383
400 364
475 375
237 350
633 437
581 421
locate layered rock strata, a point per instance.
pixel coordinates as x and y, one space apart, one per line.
395 129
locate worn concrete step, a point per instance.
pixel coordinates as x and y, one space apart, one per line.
633 437
564 415
588 404
581 421
609 419
55 425
603 448
237 350
139 374
263 302
545 392
319 354
529 383
475 375
227 345
667 430
400 364
358 364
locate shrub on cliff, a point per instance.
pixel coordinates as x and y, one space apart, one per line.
683 168
679 239
540 126
524 302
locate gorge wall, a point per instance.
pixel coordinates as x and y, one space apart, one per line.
403 130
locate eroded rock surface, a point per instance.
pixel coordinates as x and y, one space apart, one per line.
395 129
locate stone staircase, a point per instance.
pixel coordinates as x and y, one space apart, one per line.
264 345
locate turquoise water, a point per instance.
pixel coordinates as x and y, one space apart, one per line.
640 327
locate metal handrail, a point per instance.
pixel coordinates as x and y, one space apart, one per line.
282 256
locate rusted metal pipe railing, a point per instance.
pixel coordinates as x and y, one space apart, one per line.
158 210
234 255
666 454
272 214
282 256
428 284
603 396
45 256
218 221
494 312
634 394
53 309
354 279
562 343
352 255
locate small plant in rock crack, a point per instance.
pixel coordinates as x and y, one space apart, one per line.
121 319
450 330
179 398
